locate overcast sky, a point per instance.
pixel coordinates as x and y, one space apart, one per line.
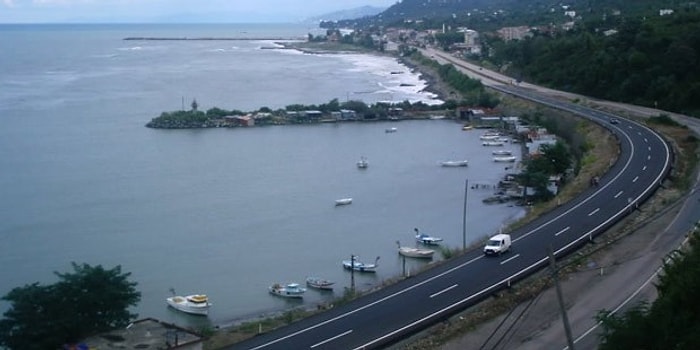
240 11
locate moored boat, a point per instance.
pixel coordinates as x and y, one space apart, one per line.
502 152
289 290
390 130
504 159
411 252
454 163
196 304
426 239
362 163
343 201
319 283
359 266
492 143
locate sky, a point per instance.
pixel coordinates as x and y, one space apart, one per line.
127 11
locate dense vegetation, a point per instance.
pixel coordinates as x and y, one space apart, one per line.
672 321
83 303
650 62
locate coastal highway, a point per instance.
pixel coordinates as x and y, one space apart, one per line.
401 309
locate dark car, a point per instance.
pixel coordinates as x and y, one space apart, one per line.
614 121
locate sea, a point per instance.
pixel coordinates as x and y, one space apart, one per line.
222 212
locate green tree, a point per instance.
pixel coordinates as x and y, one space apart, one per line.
672 321
82 303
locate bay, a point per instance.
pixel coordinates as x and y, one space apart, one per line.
225 212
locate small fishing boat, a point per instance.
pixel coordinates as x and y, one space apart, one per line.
504 159
359 266
196 304
362 163
290 290
343 201
502 152
426 239
454 163
390 130
411 252
319 283
492 143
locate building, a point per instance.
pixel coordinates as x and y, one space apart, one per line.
147 334
514 33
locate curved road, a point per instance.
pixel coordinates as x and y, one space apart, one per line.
396 311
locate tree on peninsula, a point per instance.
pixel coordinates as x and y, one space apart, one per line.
85 302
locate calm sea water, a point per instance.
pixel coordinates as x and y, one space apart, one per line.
225 212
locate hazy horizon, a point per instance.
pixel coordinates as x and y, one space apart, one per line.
172 11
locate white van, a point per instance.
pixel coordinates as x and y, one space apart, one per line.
498 244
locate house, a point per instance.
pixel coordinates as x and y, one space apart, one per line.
147 333
344 114
514 33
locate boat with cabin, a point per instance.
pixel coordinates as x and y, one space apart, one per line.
289 290
357 265
195 304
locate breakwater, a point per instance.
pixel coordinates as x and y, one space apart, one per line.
145 38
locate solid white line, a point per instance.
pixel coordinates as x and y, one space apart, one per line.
443 291
593 212
509 259
635 179
331 339
562 231
618 194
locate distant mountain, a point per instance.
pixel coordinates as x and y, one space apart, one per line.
350 14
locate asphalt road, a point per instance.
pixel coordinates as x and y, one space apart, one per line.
413 304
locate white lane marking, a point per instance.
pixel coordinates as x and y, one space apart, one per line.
509 259
331 339
648 157
645 140
644 168
593 212
635 179
649 148
618 194
562 231
443 291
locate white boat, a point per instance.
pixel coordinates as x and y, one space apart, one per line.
492 143
411 252
504 159
420 253
502 152
389 130
290 290
196 304
426 239
489 137
454 163
362 163
360 266
343 201
319 283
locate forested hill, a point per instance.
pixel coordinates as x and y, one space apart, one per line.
645 61
489 14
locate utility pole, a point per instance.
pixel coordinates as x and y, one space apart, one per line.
352 273
560 298
464 216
